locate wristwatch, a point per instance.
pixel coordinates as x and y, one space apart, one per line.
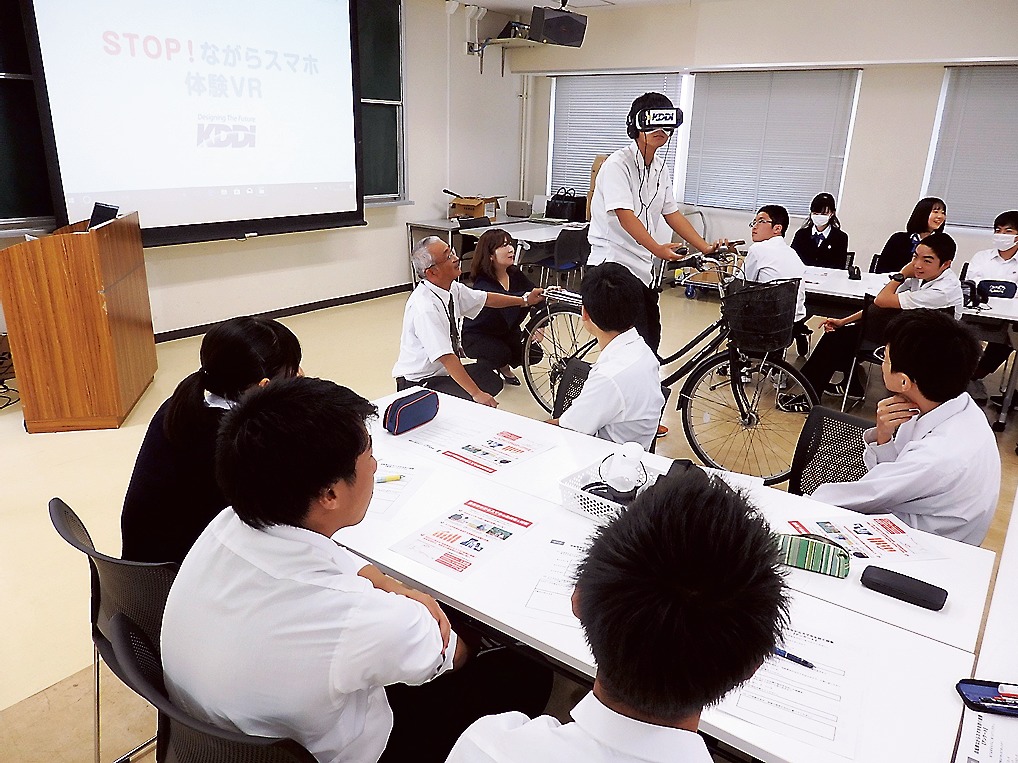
900 278
525 298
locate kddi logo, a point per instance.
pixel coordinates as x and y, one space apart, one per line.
226 136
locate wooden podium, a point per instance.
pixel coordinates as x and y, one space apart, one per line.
80 324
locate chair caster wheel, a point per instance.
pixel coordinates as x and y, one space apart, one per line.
690 292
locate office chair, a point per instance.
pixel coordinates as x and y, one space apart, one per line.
829 449
570 386
138 589
871 337
570 256
875 263
189 740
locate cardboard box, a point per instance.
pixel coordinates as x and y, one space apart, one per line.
474 206
598 161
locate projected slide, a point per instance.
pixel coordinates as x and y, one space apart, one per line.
195 112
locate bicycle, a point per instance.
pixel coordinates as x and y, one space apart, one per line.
730 400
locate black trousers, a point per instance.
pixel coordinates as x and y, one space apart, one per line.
482 373
648 321
993 356
832 353
428 719
496 351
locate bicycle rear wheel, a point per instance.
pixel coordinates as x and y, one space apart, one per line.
760 441
549 342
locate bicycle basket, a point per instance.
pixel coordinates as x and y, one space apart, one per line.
761 316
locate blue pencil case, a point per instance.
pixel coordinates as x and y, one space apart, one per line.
409 412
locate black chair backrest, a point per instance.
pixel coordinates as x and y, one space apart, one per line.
570 385
190 740
572 247
829 449
138 589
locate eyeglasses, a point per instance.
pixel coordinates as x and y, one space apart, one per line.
452 256
760 221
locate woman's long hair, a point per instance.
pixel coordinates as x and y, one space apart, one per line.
482 264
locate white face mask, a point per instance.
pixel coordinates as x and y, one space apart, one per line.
820 220
1004 241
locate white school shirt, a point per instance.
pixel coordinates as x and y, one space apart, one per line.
772 260
621 400
939 473
625 182
988 265
598 735
425 337
273 633
942 291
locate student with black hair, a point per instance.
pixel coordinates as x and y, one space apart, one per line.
173 493
926 282
681 599
272 628
821 242
928 216
932 458
632 195
998 263
770 258
621 399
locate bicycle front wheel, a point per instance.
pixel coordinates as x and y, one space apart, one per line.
549 342
758 439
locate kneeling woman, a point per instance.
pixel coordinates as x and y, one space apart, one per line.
173 492
495 336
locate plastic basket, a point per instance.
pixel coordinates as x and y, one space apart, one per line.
601 510
761 316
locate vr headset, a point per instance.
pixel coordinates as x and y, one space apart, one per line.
649 120
978 294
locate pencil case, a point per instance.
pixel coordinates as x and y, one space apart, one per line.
815 554
410 411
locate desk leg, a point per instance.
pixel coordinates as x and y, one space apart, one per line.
1005 408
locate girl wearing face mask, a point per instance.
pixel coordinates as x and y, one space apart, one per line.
820 241
928 217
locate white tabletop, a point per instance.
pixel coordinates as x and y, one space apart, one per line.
524 230
498 591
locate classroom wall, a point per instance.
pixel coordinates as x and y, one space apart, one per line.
462 132
901 47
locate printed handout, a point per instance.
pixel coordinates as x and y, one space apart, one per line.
876 536
551 598
486 450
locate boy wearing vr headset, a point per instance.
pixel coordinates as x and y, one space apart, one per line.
998 263
632 194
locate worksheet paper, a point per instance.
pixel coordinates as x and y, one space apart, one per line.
988 738
389 496
485 450
551 598
819 706
875 536
468 534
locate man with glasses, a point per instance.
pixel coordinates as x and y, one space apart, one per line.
770 257
632 194
430 349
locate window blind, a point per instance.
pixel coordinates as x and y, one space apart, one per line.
590 118
975 161
768 137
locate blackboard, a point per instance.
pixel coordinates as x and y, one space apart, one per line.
24 180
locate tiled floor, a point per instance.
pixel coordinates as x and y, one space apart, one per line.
45 650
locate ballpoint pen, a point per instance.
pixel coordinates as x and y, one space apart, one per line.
794 658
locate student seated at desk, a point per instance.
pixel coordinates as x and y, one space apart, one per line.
273 629
998 263
430 349
770 258
621 400
932 458
494 336
173 493
929 216
926 282
681 600
821 242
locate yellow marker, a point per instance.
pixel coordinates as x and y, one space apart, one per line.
389 478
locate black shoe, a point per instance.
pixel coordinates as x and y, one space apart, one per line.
794 404
997 401
512 381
